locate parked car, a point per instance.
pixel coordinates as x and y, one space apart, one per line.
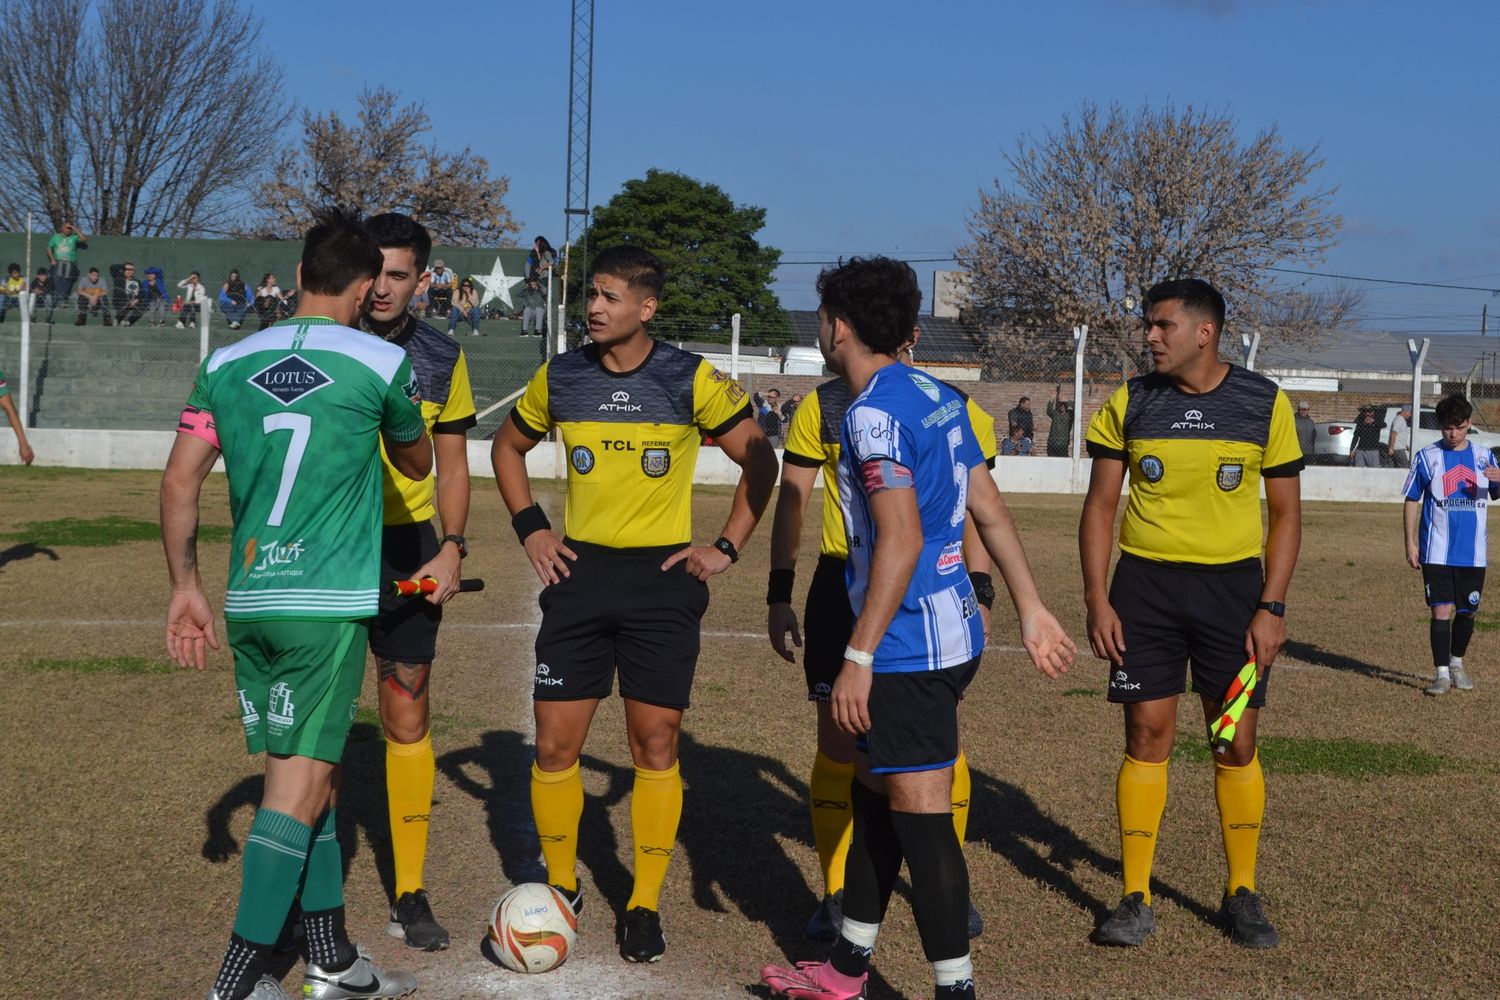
1332 441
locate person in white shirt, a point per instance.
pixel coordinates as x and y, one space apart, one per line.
192 300
1399 444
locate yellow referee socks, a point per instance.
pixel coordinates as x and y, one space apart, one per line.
655 809
1140 795
409 771
1241 794
832 820
556 807
961 792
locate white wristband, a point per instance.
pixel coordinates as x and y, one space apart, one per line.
858 657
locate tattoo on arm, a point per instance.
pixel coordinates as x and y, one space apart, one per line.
190 551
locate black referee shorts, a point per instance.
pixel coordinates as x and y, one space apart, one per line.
1176 613
405 629
826 626
618 608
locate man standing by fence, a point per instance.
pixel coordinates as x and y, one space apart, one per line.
62 255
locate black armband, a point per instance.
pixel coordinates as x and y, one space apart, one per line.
529 521
779 586
984 589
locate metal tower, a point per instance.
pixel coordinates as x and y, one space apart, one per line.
580 99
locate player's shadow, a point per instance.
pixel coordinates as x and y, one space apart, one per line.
1320 657
25 550
1006 820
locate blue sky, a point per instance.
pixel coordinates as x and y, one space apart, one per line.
871 126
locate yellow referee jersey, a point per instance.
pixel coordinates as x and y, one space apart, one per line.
632 439
812 440
1196 462
447 408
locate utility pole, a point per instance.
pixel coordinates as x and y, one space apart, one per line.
580 103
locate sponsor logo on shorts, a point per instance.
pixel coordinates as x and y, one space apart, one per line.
544 677
1122 682
619 402
656 461
582 459
1192 420
279 709
274 555
1152 468
291 378
1230 476
1474 598
248 715
928 387
951 558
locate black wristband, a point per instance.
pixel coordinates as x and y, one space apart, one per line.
984 589
779 586
529 521
725 546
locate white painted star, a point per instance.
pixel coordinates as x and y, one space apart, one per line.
497 285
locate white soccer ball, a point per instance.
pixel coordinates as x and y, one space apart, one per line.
533 928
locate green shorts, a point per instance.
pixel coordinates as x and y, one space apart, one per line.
298 684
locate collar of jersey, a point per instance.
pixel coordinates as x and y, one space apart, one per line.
599 360
306 321
1207 392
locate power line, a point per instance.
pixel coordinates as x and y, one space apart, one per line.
1383 281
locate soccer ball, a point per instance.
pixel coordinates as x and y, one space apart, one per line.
533 928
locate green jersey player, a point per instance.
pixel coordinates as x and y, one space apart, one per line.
297 411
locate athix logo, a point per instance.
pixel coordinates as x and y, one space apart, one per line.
1192 420
280 710
619 402
544 676
1121 682
1460 481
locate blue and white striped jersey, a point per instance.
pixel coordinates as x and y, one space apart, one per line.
1454 487
908 423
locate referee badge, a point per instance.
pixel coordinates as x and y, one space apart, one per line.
1152 468
1230 475
583 460
656 461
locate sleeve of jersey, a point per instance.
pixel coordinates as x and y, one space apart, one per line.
1106 434
1283 455
532 415
984 432
1416 480
403 406
719 401
879 448
804 435
457 414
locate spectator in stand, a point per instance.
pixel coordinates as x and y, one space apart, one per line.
1021 417
1060 431
129 303
1016 442
41 288
1399 445
234 299
93 297
11 289
768 413
154 292
789 408
440 289
419 305
540 260
1364 451
268 300
465 307
194 296
62 254
1307 431
533 309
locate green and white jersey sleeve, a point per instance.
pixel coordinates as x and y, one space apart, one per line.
299 409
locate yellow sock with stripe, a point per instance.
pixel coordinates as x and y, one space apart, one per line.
556 807
832 820
1140 795
1241 794
655 809
409 772
961 793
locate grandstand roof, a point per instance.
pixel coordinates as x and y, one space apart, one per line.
1372 351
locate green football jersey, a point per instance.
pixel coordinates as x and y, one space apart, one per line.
298 409
4 385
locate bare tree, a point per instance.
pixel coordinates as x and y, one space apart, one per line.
133 117
379 165
1112 202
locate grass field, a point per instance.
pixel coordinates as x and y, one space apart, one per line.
129 795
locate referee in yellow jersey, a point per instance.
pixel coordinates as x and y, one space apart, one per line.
1199 438
624 587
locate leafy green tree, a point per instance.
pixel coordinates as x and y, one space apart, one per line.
715 266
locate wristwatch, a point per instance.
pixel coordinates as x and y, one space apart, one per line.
725 546
1274 607
463 545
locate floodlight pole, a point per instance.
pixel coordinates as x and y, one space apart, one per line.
1080 341
734 346
1418 355
580 103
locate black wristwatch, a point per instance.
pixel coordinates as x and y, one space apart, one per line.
463 545
725 546
1275 607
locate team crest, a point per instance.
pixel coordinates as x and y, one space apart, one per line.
928 387
582 459
733 391
1152 468
1230 475
1474 598
656 461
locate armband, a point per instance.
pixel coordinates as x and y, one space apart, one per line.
529 521
984 589
779 586
859 657
881 474
725 546
198 423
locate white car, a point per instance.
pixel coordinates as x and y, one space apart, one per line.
1332 442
